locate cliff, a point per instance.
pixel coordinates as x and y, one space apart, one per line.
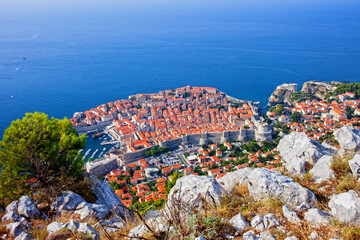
282 94
317 89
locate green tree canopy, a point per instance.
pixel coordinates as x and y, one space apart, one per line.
295 117
38 149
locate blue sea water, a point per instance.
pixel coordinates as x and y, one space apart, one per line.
60 62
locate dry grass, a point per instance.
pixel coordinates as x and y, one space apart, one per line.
340 165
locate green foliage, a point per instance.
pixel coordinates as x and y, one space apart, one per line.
149 205
252 147
209 227
157 151
279 109
186 94
348 87
170 183
40 149
295 117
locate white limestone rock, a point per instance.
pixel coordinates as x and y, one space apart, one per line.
267 183
322 170
232 179
270 221
200 238
54 227
303 207
348 138
291 238
296 149
108 198
27 208
346 207
68 201
317 217
17 228
238 222
11 216
25 236
138 232
258 223
82 228
314 236
266 236
85 210
355 166
190 189
250 235
291 215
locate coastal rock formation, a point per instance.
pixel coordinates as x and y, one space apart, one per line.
190 189
282 94
317 89
232 179
346 207
322 170
348 138
355 166
296 149
267 183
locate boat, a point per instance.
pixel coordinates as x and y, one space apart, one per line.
96 135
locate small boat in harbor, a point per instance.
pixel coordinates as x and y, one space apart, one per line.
96 135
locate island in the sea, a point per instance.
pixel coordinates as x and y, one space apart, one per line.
169 119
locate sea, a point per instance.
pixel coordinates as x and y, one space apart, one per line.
70 56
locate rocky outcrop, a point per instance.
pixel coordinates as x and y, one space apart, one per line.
346 207
17 228
107 197
74 227
317 89
317 217
24 207
296 149
267 183
348 138
231 179
291 215
322 170
355 166
282 94
238 222
68 201
190 189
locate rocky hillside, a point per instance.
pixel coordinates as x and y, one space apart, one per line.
282 94
315 196
317 89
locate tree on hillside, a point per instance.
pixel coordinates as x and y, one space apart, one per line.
38 150
170 183
295 117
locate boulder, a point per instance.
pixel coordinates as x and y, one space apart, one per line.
68 201
153 214
232 179
267 183
291 215
355 166
138 232
291 238
303 207
313 236
27 208
346 207
85 210
107 197
200 238
17 228
190 189
266 236
11 216
317 217
348 138
74 227
238 222
54 227
250 235
322 170
25 236
258 223
297 149
270 221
